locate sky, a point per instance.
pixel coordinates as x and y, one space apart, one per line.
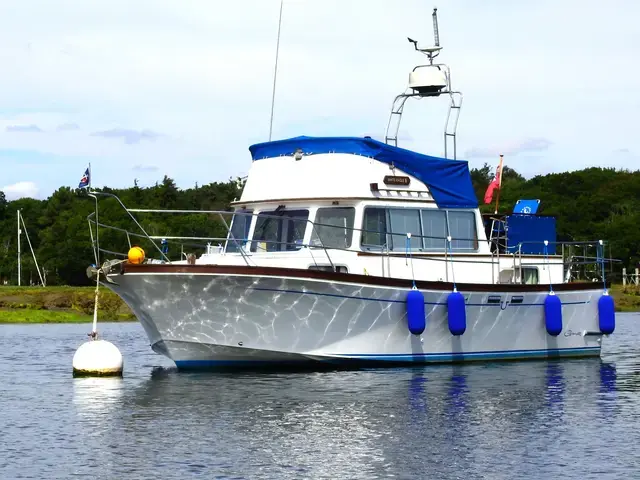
182 88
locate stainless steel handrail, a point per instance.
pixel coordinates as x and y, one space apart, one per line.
241 243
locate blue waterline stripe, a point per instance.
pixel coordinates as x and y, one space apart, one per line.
383 300
403 357
235 363
476 355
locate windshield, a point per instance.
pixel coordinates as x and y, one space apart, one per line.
279 230
239 232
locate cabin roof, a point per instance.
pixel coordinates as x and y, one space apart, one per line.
449 181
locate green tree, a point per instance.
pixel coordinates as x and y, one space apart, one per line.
590 204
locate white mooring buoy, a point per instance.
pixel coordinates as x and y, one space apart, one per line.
97 357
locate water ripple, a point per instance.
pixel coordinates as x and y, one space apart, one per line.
575 419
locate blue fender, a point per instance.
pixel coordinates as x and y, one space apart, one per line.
416 319
553 314
456 313
606 314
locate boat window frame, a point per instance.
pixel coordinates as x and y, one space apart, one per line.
530 267
429 249
422 249
281 232
510 272
239 245
385 233
475 240
391 234
350 227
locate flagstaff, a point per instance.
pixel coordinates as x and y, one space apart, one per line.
499 174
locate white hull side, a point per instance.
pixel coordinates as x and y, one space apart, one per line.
201 320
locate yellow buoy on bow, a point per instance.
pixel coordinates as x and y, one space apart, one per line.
136 255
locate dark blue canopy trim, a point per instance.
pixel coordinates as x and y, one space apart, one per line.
449 181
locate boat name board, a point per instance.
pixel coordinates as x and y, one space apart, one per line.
396 180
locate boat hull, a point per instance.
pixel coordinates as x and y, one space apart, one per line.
208 320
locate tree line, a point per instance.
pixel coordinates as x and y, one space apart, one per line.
589 204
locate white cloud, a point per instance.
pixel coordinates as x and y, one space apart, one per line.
66 127
145 168
201 72
510 149
129 136
20 190
23 129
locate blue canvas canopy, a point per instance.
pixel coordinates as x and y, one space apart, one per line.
449 181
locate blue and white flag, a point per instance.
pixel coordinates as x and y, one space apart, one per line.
85 181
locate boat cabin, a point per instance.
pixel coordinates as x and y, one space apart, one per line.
356 205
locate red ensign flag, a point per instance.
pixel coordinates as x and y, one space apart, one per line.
495 183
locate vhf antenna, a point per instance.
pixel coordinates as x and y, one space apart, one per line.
431 52
436 34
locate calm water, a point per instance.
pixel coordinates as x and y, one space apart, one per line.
576 419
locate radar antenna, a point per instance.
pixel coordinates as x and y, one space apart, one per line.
430 80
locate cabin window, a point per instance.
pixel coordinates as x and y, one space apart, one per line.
403 221
333 227
239 233
279 230
434 224
329 268
530 275
374 227
462 228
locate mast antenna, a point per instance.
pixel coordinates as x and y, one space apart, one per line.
430 52
436 34
275 72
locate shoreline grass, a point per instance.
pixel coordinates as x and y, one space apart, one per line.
60 305
42 316
626 298
75 304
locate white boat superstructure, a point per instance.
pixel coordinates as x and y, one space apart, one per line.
350 250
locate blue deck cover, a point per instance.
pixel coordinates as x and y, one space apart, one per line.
532 231
449 181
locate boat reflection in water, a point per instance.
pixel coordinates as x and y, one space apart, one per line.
357 424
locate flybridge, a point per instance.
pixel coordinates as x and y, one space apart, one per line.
449 181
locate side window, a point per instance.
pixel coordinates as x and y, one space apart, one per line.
333 227
374 227
329 268
239 232
403 221
281 230
530 275
462 228
434 226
